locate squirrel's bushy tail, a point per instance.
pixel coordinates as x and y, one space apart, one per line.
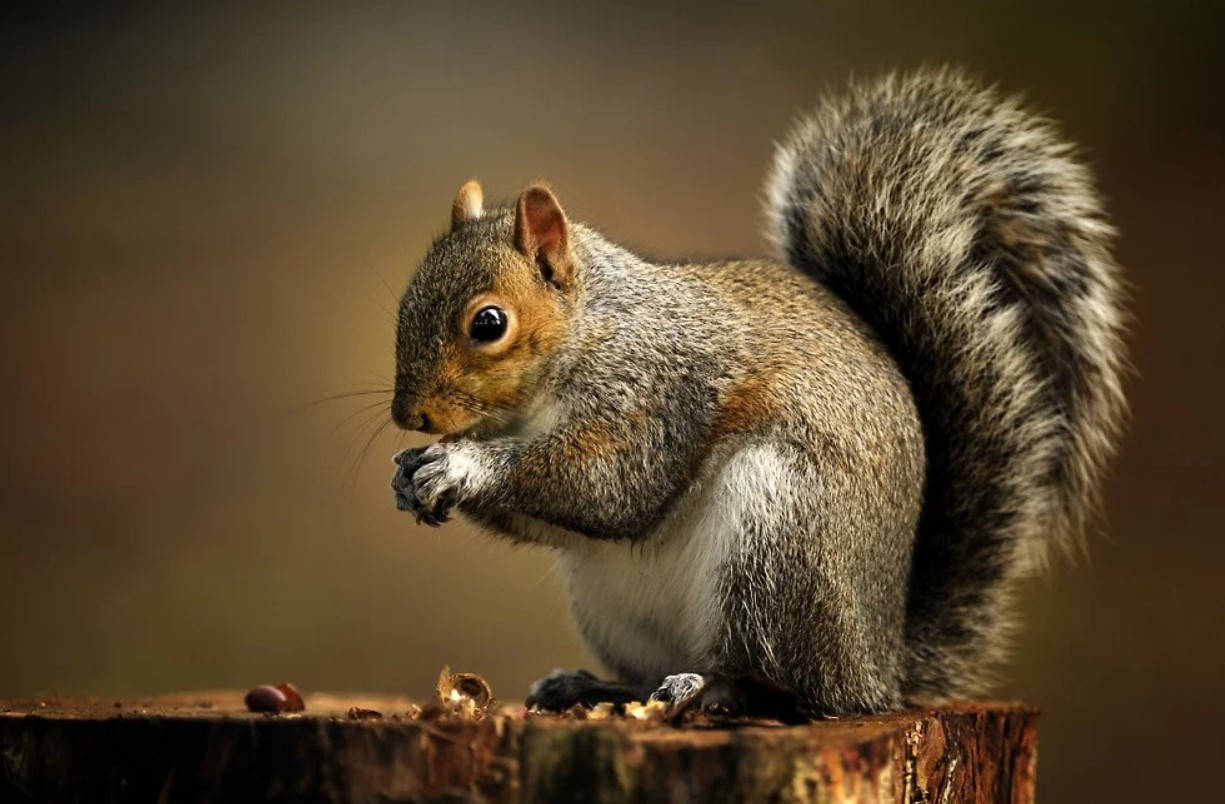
963 230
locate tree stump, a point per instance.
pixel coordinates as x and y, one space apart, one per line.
206 746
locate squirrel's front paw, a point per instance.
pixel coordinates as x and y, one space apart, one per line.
407 461
434 479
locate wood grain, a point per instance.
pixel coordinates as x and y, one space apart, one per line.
207 747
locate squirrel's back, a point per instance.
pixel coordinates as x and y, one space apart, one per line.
963 231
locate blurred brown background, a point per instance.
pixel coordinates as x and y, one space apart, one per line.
198 214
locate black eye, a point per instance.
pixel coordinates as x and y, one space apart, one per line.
488 324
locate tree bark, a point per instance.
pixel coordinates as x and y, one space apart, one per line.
206 746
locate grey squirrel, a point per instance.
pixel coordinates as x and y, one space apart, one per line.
805 485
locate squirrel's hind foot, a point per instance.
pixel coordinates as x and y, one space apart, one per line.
679 690
562 689
726 697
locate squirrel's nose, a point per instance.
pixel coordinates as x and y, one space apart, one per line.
407 415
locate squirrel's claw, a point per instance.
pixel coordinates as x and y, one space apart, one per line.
435 516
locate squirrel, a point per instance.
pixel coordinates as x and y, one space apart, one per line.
798 486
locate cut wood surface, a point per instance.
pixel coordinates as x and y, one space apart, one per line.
206 747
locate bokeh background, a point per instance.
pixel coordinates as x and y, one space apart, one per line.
206 216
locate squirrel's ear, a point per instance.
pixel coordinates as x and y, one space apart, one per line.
542 233
467 206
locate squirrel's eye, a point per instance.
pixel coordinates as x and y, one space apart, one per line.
488 324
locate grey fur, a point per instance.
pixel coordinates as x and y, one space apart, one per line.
961 228
863 557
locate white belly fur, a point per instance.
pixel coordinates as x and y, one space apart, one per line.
653 607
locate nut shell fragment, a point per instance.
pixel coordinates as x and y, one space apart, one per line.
465 694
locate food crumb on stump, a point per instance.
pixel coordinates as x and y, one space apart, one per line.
651 711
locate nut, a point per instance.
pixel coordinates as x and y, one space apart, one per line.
293 699
265 698
283 697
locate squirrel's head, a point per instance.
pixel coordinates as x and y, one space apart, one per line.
483 313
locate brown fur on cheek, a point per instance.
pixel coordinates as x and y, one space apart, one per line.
448 407
478 381
541 322
499 376
447 417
